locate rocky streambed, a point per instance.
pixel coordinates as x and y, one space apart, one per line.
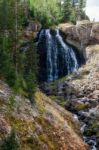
86 111
79 93
89 122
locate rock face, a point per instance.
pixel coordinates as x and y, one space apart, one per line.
32 29
95 32
29 34
39 126
81 34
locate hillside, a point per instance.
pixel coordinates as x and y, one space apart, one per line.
42 125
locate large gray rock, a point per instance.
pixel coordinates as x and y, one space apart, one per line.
95 32
82 34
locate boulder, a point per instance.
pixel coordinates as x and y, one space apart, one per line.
95 32
81 34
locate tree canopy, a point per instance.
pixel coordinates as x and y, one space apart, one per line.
46 11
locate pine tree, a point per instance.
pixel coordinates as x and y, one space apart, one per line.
81 14
67 10
12 67
31 70
46 11
11 22
31 81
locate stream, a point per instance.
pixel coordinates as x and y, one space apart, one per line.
91 141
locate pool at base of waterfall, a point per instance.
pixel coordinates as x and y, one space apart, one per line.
57 58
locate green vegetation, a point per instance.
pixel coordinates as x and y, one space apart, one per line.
71 11
50 12
93 128
67 10
12 102
14 65
11 142
47 12
31 70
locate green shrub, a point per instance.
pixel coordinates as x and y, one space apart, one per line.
11 142
31 85
12 102
47 12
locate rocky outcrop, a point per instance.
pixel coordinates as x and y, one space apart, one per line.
39 126
95 32
82 34
28 34
32 29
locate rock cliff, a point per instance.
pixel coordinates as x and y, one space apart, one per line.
82 34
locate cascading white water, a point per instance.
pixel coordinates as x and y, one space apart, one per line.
49 42
52 53
69 55
60 58
55 49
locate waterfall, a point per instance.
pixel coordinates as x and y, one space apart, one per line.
58 57
69 55
49 43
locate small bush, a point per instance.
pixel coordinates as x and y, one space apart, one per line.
11 142
31 85
12 102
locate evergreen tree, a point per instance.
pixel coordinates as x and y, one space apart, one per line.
31 81
31 70
67 10
11 22
73 16
81 13
46 11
